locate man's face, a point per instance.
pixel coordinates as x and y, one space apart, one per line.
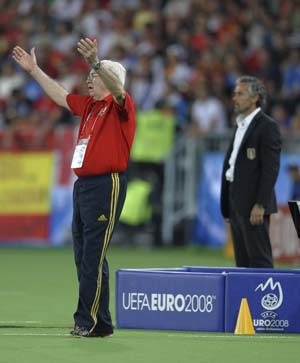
96 87
243 102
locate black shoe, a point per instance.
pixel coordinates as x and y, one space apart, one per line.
79 332
82 332
95 334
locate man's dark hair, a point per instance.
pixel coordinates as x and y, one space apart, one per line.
255 87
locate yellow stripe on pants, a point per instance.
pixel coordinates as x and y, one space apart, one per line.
108 233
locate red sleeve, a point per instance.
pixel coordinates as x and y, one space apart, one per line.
127 109
77 103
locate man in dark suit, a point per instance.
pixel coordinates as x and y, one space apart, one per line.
249 175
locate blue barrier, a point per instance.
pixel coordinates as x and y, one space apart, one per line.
208 299
172 300
273 299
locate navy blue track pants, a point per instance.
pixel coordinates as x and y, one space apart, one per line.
97 205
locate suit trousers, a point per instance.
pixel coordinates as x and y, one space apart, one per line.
251 243
97 205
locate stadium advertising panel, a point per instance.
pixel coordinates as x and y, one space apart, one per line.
169 300
273 299
196 298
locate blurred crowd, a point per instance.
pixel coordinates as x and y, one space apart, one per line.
181 55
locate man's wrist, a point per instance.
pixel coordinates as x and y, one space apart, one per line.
258 205
96 66
33 70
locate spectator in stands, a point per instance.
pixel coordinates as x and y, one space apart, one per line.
291 75
280 114
146 85
249 174
207 112
9 80
263 35
100 159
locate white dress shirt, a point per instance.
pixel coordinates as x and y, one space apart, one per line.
242 127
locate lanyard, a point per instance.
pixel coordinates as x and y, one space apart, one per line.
94 123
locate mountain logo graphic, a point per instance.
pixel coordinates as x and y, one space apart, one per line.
271 301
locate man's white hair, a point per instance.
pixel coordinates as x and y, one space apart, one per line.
116 68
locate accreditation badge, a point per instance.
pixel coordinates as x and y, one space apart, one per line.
251 153
79 153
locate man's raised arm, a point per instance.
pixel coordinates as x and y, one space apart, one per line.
29 63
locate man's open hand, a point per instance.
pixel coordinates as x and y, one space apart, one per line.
88 48
25 60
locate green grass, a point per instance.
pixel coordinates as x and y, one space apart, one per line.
38 294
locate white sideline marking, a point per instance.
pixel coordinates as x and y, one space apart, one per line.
187 336
36 334
21 321
13 293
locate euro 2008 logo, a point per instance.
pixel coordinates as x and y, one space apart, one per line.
270 301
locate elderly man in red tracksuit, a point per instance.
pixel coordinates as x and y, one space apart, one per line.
100 159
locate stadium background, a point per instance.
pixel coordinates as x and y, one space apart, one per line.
182 58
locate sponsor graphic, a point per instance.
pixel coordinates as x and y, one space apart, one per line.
271 300
168 302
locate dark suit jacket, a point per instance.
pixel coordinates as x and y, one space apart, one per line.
256 168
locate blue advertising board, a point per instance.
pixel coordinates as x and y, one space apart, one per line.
200 298
273 299
210 228
170 300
